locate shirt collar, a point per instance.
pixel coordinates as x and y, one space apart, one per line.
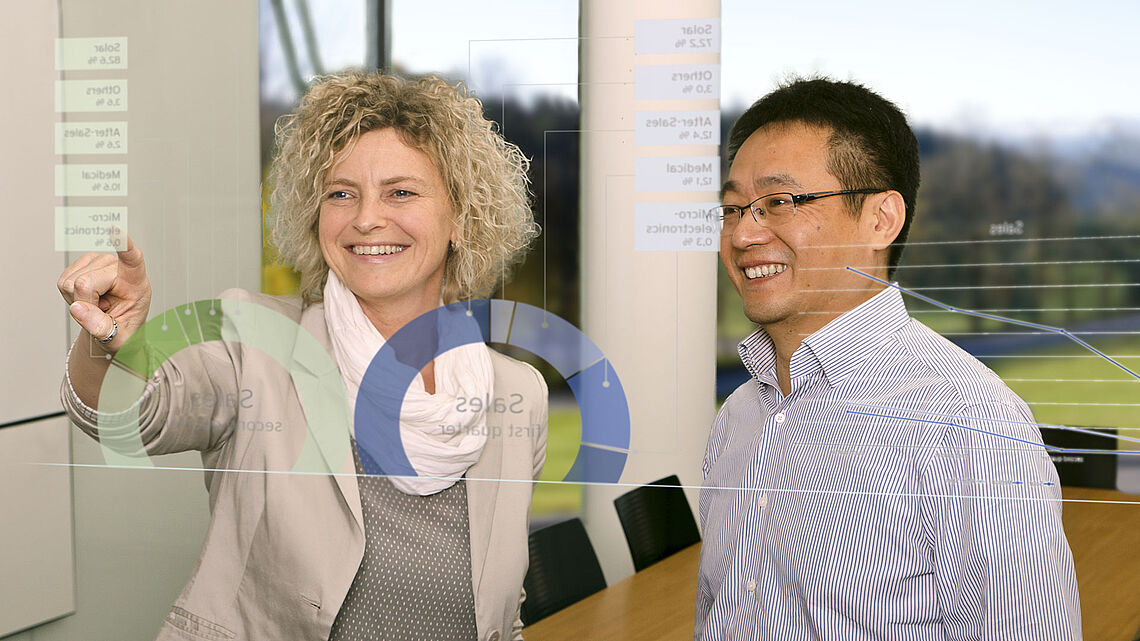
838 348
758 353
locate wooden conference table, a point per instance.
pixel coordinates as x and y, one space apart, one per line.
656 604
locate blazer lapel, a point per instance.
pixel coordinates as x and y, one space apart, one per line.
320 389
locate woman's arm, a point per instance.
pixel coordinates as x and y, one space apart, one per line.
180 407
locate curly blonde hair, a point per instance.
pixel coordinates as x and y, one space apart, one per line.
485 176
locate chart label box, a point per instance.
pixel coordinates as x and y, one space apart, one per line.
90 228
672 82
90 138
675 227
90 95
91 180
696 173
685 35
82 54
677 127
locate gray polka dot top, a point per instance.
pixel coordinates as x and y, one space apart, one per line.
415 579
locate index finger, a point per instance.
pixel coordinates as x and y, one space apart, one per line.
131 256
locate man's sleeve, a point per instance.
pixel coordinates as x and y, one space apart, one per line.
992 515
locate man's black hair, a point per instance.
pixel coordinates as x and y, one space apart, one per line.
870 146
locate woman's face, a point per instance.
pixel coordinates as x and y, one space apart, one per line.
385 223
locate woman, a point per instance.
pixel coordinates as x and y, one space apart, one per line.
390 197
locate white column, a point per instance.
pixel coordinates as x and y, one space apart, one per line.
653 313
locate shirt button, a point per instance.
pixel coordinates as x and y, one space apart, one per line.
780 417
750 586
763 500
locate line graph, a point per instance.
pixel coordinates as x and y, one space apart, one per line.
892 413
1048 328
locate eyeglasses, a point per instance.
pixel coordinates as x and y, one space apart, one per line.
776 209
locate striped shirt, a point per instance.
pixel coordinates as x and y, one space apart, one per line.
900 491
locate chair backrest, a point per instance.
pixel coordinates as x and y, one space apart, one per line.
657 521
563 570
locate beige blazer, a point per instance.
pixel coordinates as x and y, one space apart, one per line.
282 549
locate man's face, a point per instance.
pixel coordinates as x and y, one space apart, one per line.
813 248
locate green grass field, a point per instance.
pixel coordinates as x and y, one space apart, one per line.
1066 385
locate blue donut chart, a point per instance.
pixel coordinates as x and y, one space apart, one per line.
596 387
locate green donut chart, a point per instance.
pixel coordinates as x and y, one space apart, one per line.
313 370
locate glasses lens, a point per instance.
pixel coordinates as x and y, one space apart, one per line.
776 208
725 216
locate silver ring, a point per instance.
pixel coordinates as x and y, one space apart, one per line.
111 336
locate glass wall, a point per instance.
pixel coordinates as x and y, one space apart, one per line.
521 59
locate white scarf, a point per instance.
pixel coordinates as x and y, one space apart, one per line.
441 436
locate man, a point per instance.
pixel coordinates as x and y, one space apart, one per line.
870 480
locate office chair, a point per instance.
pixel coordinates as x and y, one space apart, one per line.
657 521
563 570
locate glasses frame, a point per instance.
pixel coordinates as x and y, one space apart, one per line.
797 200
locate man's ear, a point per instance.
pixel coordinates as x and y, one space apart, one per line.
886 219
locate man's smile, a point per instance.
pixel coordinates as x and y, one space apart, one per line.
767 270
